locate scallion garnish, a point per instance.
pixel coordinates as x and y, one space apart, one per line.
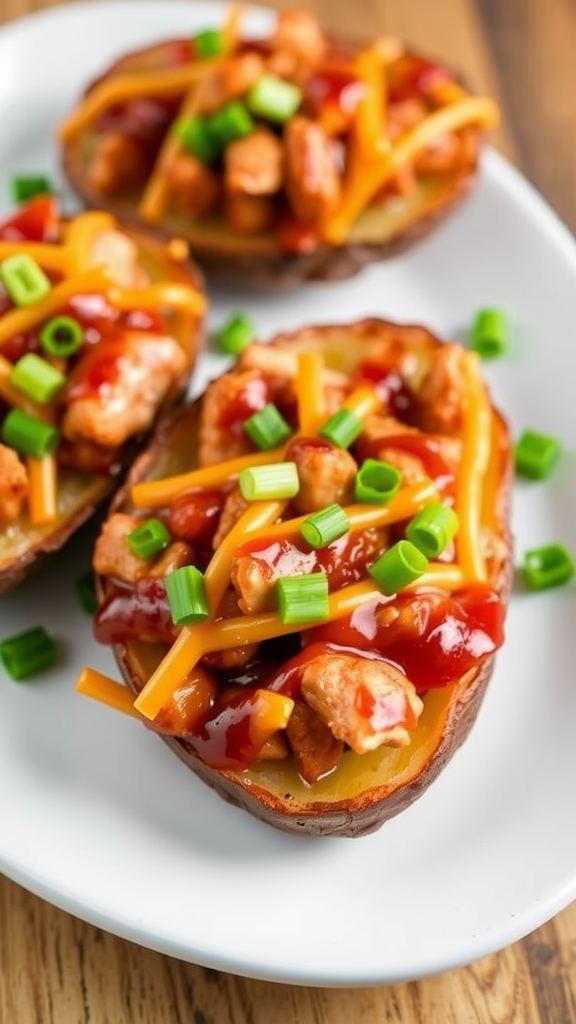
536 454
237 333
25 187
342 429
34 377
274 99
194 134
303 598
29 435
432 529
489 335
548 566
25 654
209 43
25 281
148 538
231 122
262 483
61 337
187 598
376 482
325 526
397 567
267 428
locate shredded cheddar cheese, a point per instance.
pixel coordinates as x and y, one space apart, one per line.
42 497
80 236
217 575
369 136
101 688
160 294
48 256
477 430
310 392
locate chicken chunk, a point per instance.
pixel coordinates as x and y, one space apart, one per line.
249 215
231 80
234 507
441 394
120 255
366 703
313 180
298 32
255 165
119 161
227 402
13 485
112 554
326 475
315 749
193 186
148 367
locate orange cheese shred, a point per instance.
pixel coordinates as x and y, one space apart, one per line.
310 392
49 256
160 293
369 127
473 466
107 691
42 495
80 236
217 574
231 27
156 493
363 402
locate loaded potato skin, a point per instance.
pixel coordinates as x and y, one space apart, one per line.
290 158
333 726
113 323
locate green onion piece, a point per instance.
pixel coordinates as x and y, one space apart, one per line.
536 454
432 529
278 480
28 653
396 568
29 435
209 43
25 187
187 598
274 99
149 538
321 528
62 336
25 282
36 378
86 591
548 566
489 336
303 598
342 428
237 333
376 482
231 122
267 428
194 134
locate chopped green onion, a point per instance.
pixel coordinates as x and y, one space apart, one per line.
29 435
376 482
25 187
28 653
396 568
303 598
548 566
86 591
209 43
36 378
342 428
149 538
267 428
237 333
432 529
231 122
274 99
187 598
25 282
489 336
325 526
536 454
62 336
194 134
261 483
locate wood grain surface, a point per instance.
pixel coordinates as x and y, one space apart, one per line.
57 970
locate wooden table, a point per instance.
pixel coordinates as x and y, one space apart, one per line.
54 968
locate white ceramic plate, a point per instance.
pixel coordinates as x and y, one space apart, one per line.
97 816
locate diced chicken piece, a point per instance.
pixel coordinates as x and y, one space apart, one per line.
175 556
440 156
231 80
119 161
315 749
441 394
87 457
13 485
313 180
299 32
234 507
377 441
255 164
112 554
193 186
119 253
410 618
326 475
366 703
148 367
378 428
249 215
227 402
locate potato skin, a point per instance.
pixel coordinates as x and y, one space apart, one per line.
94 492
369 809
264 266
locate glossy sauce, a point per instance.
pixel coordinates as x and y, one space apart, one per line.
135 610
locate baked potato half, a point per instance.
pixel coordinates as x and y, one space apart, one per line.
281 160
324 674
99 331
